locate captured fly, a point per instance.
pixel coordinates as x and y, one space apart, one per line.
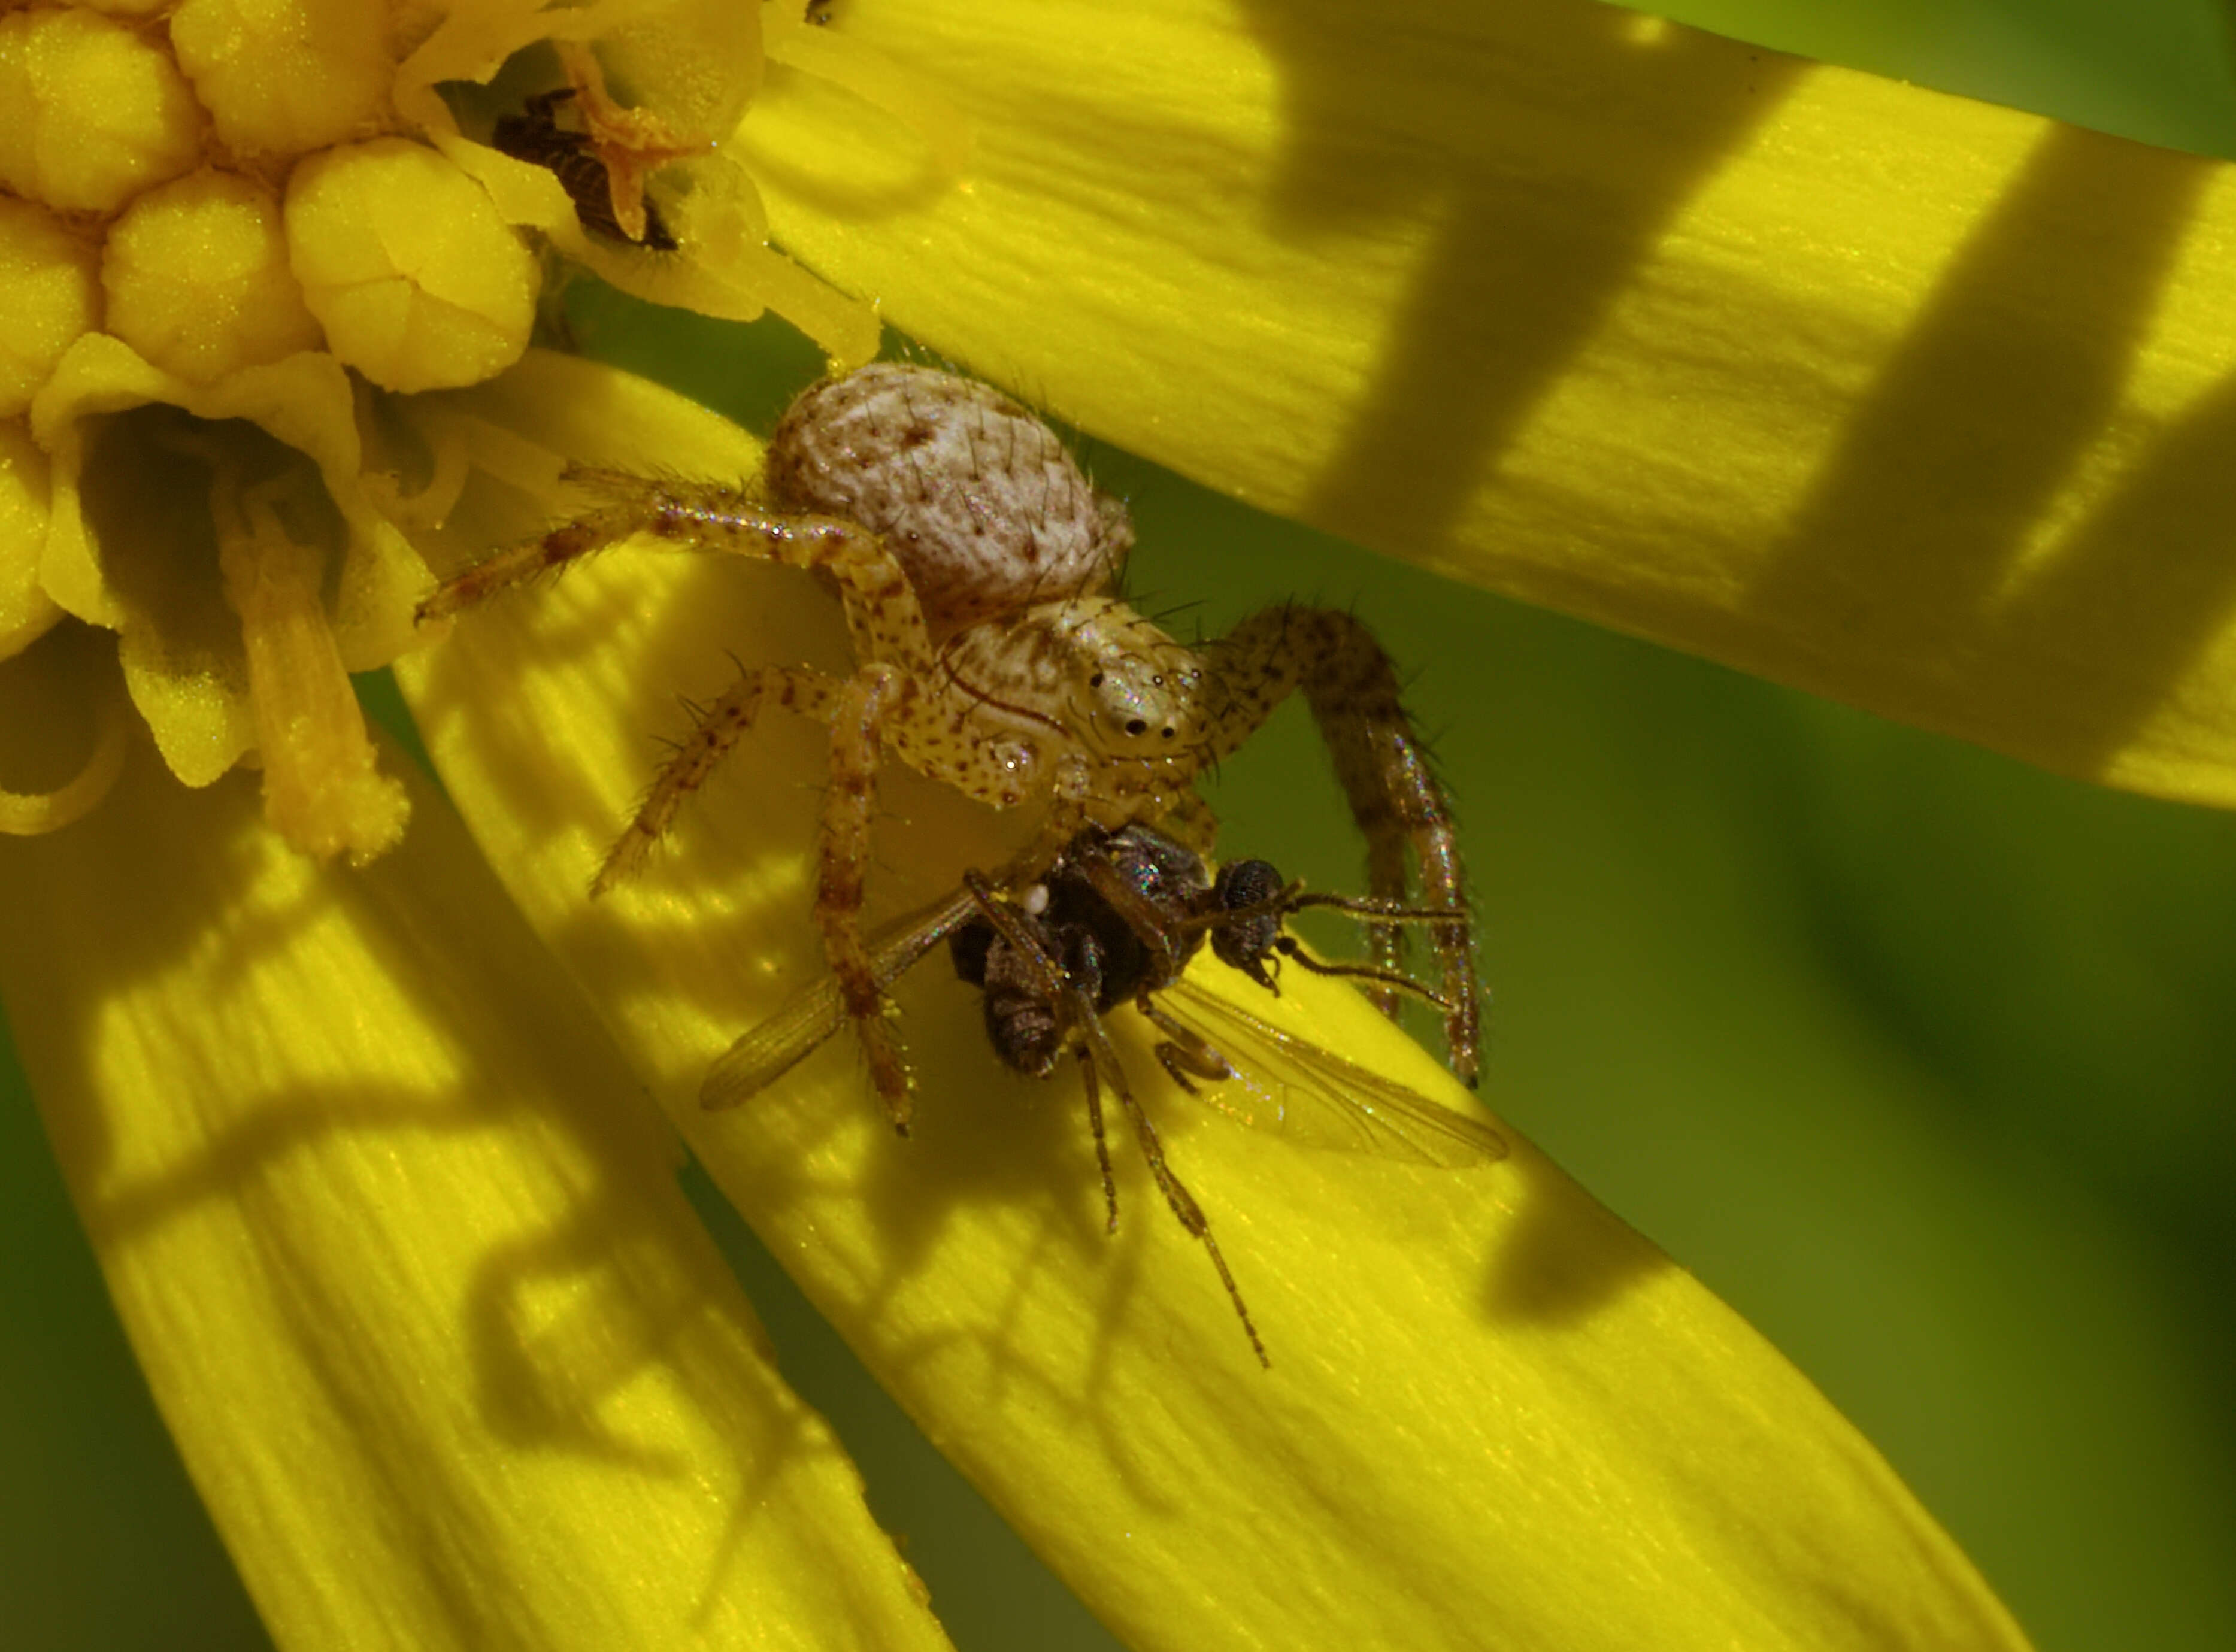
1116 920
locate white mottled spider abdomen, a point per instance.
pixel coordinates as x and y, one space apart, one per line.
973 496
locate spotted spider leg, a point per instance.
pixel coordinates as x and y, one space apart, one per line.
849 808
1384 769
717 729
890 638
850 707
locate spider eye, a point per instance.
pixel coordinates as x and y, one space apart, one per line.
1095 681
1135 726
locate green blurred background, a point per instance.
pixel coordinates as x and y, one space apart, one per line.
1920 1058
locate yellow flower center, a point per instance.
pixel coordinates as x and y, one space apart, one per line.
227 245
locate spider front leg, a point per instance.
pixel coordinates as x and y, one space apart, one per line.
854 710
1384 769
635 505
890 637
883 616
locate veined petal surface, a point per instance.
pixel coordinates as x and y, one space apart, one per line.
1909 400
1495 1413
398 1244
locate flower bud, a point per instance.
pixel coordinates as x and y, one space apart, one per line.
284 76
417 282
197 278
92 111
48 293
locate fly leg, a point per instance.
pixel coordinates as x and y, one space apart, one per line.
1182 1203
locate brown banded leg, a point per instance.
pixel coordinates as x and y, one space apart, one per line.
1177 1197
1384 769
720 727
633 507
883 616
858 710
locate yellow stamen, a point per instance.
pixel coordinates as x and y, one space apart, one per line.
323 789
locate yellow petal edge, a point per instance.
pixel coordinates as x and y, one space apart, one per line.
1909 400
1495 1416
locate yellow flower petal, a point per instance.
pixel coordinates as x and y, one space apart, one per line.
1906 399
64 735
449 1357
1495 1415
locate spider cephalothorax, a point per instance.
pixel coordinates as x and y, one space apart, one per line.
978 566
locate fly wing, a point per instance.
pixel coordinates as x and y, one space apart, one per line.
805 1021
1304 1092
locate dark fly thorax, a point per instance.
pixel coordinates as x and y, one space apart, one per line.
1171 882
1088 932
1096 947
1165 873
